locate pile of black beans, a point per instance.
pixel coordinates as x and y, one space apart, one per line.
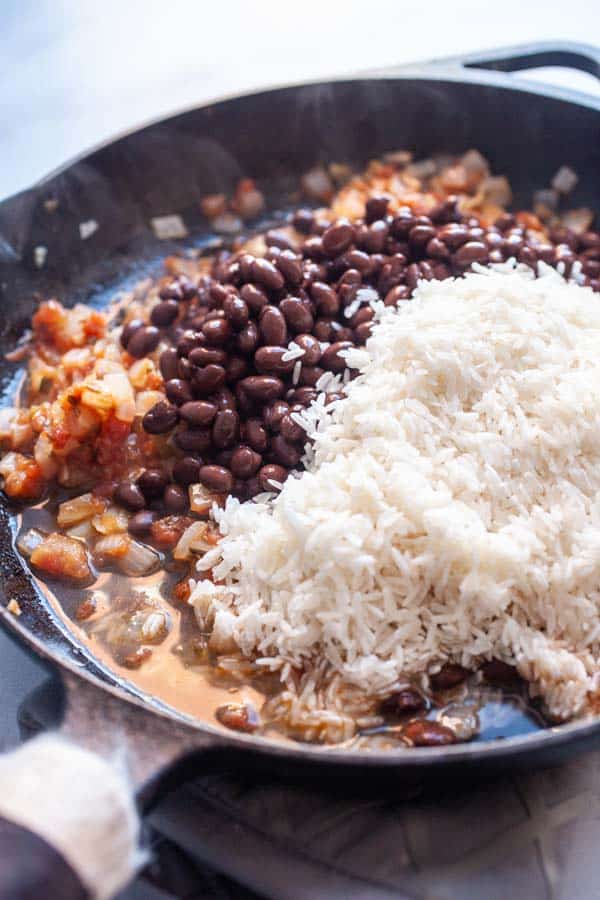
230 394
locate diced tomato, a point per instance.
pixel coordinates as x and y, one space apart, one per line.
95 325
26 481
62 557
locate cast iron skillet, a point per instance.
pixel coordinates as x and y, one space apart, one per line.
526 131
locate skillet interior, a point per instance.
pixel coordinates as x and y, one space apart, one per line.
273 136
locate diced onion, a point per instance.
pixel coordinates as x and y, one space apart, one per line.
28 541
78 509
110 521
138 560
201 500
114 546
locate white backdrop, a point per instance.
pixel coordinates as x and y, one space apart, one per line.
74 72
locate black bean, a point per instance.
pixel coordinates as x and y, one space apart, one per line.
303 221
278 238
313 248
207 356
445 211
311 347
472 251
247 339
245 462
495 671
274 413
322 329
337 238
453 235
286 454
291 431
272 473
262 388
218 293
152 483
272 327
217 332
290 266
362 262
304 395
236 368
330 358
325 298
169 362
236 311
400 292
216 478
255 435
362 333
254 297
374 240
186 471
178 391
208 379
129 330
505 221
143 341
175 499
161 418
129 495
198 412
171 291
424 733
188 341
376 207
265 273
140 524
225 428
223 457
309 375
406 700
194 440
402 224
270 359
364 314
297 314
449 676
350 278
528 256
438 249
420 235
164 313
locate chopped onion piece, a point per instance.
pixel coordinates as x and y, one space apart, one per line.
198 538
578 220
113 546
28 541
138 560
201 500
110 521
565 180
78 509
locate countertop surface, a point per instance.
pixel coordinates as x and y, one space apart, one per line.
73 74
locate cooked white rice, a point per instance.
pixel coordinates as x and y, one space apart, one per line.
451 508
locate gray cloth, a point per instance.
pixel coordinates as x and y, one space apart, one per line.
527 836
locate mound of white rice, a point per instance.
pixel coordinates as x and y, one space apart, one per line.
451 509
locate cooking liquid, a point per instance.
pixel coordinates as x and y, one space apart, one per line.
172 674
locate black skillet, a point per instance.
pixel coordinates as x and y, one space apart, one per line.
525 130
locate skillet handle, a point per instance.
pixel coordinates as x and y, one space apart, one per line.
68 823
69 800
572 55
